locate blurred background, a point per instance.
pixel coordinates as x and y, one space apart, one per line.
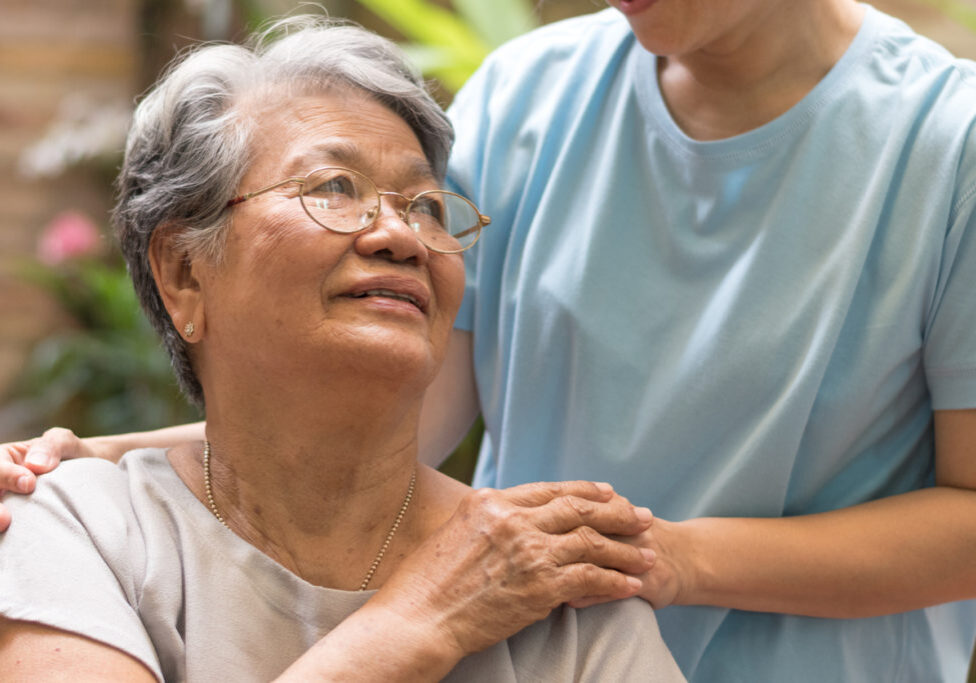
74 349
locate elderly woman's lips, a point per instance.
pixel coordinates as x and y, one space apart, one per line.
397 289
389 294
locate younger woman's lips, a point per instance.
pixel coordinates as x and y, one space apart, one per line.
631 7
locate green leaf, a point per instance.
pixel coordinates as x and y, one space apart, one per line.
498 21
427 57
429 24
451 45
441 63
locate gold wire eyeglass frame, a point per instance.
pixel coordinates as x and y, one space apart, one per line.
402 213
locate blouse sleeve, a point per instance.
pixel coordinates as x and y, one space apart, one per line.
69 558
620 641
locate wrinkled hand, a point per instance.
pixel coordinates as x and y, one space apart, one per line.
506 558
22 461
672 573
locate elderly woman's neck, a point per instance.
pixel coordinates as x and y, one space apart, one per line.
336 449
309 484
342 425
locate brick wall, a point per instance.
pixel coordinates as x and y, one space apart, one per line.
53 53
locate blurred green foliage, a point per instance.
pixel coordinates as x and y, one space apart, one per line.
961 11
450 45
106 372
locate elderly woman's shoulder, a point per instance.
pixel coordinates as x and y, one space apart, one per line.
627 630
88 492
90 471
615 641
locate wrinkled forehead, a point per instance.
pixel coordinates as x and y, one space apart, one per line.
304 128
411 168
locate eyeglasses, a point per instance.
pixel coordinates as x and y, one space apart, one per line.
345 201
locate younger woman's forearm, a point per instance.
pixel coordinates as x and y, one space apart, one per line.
893 555
113 447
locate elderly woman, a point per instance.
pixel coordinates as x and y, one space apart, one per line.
280 214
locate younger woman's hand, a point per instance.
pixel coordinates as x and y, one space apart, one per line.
22 461
672 573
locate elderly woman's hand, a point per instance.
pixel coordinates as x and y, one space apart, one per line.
506 558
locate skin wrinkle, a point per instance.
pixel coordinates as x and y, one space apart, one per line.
420 177
334 152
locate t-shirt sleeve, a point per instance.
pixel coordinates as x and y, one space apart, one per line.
469 115
67 560
950 342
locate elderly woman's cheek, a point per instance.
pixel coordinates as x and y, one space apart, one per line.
448 281
284 239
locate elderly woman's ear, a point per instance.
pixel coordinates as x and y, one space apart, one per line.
177 282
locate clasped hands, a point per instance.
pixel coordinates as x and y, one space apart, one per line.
506 558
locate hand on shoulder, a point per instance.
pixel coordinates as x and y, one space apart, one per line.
506 558
22 461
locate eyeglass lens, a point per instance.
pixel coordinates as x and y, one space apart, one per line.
346 201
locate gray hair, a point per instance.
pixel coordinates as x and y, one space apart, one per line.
189 144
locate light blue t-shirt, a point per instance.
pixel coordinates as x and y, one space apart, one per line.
757 326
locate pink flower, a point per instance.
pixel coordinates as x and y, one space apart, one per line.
70 234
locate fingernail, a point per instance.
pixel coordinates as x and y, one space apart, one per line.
604 487
644 514
39 458
634 583
23 483
648 554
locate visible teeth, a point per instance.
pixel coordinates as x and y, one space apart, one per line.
390 294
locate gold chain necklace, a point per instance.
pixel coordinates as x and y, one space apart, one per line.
386 543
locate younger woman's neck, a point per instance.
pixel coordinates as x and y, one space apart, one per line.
750 78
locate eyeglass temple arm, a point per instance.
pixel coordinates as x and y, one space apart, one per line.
482 222
244 197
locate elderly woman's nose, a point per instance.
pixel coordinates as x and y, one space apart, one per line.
391 236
